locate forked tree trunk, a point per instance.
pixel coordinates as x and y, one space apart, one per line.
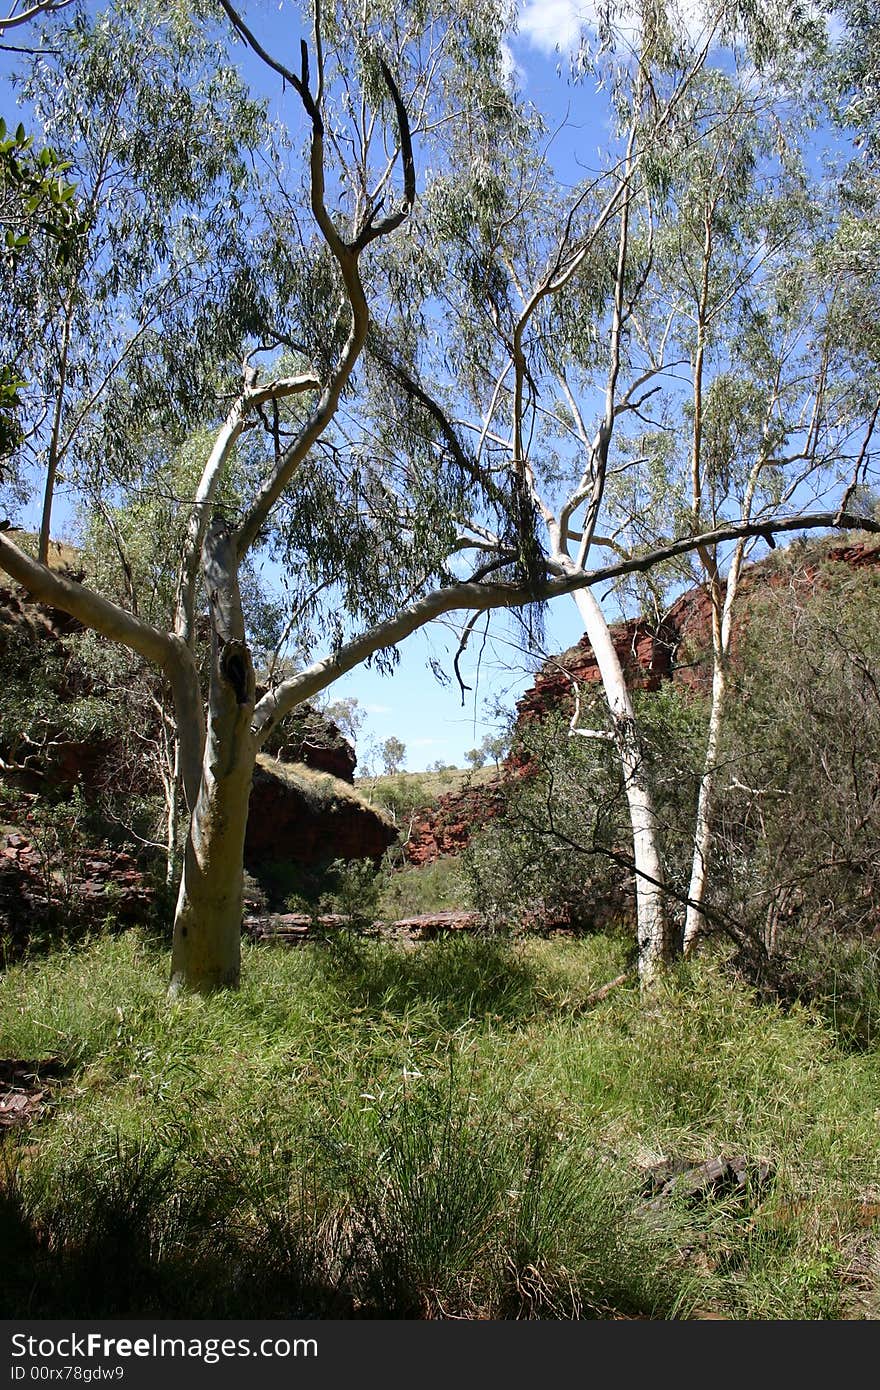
654 929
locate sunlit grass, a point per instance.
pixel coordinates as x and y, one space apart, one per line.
453 1129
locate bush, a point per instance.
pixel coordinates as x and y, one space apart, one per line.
411 891
555 855
799 823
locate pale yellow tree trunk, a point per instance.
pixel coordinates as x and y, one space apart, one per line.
206 951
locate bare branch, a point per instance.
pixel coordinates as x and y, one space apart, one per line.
462 648
13 20
371 230
346 257
860 461
250 399
574 723
299 84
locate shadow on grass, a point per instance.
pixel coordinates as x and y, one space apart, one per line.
427 1208
132 1235
457 977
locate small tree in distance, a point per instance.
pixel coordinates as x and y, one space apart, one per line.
393 755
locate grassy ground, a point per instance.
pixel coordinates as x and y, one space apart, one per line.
422 788
365 1130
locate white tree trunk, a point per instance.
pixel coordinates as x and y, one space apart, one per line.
171 778
654 937
695 916
206 951
722 633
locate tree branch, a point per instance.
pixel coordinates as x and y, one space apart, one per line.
13 20
481 597
346 257
371 230
161 649
251 398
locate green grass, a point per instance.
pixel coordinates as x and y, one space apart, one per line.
454 1130
416 889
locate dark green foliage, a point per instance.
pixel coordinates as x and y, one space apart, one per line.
34 194
800 825
408 891
72 707
541 861
80 741
36 204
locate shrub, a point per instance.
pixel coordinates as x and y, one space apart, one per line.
559 852
799 824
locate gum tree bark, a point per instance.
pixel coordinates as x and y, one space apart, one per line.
206 951
655 939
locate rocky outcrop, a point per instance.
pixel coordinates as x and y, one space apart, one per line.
91 886
37 620
310 817
645 652
295 928
678 647
307 736
32 639
294 814
446 827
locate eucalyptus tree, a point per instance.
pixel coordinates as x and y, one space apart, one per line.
35 199
382 510
155 131
316 240
36 215
855 74
569 348
783 402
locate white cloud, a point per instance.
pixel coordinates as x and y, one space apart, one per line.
378 709
551 24
514 73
